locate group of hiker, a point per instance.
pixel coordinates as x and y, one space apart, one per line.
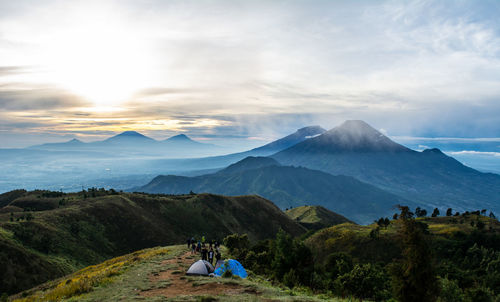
208 251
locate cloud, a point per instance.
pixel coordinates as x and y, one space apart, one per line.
38 99
254 68
469 152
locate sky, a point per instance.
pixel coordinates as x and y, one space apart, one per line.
245 72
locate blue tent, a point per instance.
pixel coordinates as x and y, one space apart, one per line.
234 266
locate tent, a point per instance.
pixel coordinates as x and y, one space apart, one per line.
234 266
200 268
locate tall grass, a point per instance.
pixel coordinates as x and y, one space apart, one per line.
86 279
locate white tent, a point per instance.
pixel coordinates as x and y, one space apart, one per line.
200 268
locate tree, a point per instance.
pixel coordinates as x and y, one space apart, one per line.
420 212
29 217
288 254
338 264
414 278
450 291
435 213
12 216
365 281
480 225
492 215
395 216
374 233
449 212
237 245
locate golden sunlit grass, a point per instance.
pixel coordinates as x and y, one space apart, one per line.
86 279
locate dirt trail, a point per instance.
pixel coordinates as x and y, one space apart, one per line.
174 274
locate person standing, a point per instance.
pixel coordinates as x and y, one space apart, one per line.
211 256
198 247
189 242
218 256
204 253
193 248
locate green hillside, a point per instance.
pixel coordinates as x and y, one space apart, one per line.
49 234
315 217
287 187
443 259
385 246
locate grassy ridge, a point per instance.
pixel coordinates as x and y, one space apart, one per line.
151 274
53 234
382 244
315 217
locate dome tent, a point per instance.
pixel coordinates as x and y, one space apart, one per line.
234 266
200 268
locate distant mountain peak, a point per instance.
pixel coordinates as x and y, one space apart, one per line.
290 140
75 141
129 135
357 127
310 130
179 137
350 136
433 151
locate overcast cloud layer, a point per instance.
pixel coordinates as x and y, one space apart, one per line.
247 70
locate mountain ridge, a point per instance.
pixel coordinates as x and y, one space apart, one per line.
286 186
429 177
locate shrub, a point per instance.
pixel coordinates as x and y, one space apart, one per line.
365 281
450 291
479 294
237 245
291 279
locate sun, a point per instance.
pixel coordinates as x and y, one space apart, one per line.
99 58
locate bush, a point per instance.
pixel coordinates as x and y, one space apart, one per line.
479 295
366 281
291 279
338 264
237 245
450 291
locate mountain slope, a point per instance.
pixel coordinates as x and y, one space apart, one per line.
289 140
249 163
218 162
158 274
430 177
78 229
315 217
287 186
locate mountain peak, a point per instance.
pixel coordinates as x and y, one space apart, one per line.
357 135
129 135
350 136
179 137
355 124
433 151
290 140
74 141
310 130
